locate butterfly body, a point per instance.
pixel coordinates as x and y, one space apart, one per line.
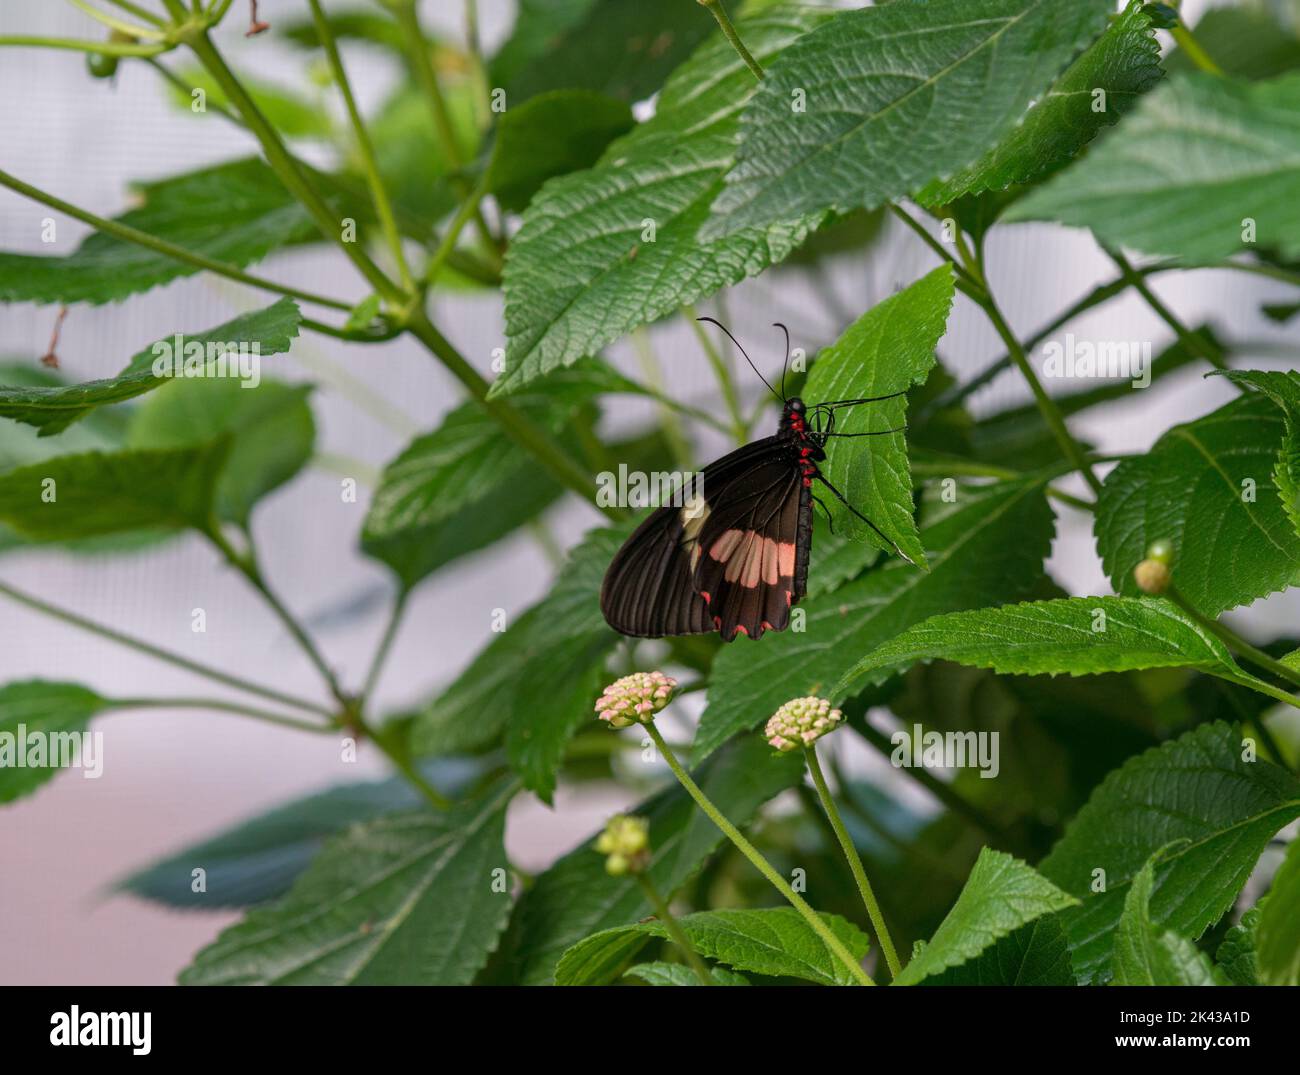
733 558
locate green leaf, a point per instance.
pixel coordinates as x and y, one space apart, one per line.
1196 791
1236 954
235 212
1283 388
22 445
836 559
259 859
576 897
1035 954
582 271
1001 895
293 116
51 408
992 540
1196 158
776 942
551 134
1124 63
37 719
79 496
375 907
894 97
1147 955
623 48
270 428
461 487
1205 487
679 974
1277 941
1077 636
539 678
888 349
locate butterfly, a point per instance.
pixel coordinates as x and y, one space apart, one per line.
733 558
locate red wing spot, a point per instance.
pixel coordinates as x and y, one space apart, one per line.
705 594
717 621
767 626
741 629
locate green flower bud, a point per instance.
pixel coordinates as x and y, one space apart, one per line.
626 845
1162 551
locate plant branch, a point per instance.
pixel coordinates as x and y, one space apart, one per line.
1071 448
158 653
1192 341
246 564
378 194
674 929
518 425
161 246
288 169
855 863
385 645
417 46
101 48
220 706
761 864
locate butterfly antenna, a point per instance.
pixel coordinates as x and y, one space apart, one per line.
786 363
714 321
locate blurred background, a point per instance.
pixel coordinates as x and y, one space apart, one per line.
173 777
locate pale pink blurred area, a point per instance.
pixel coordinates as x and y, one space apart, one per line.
173 777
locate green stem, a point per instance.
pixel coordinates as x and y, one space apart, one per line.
1095 297
286 167
139 12
739 428
114 23
141 238
417 46
218 705
102 48
761 864
378 194
412 775
1046 405
514 422
468 207
1193 342
674 929
963 276
385 645
1194 51
1234 641
150 650
719 13
855 863
246 565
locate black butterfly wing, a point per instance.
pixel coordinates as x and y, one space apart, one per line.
751 560
657 582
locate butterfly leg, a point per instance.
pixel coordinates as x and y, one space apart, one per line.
829 521
843 500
